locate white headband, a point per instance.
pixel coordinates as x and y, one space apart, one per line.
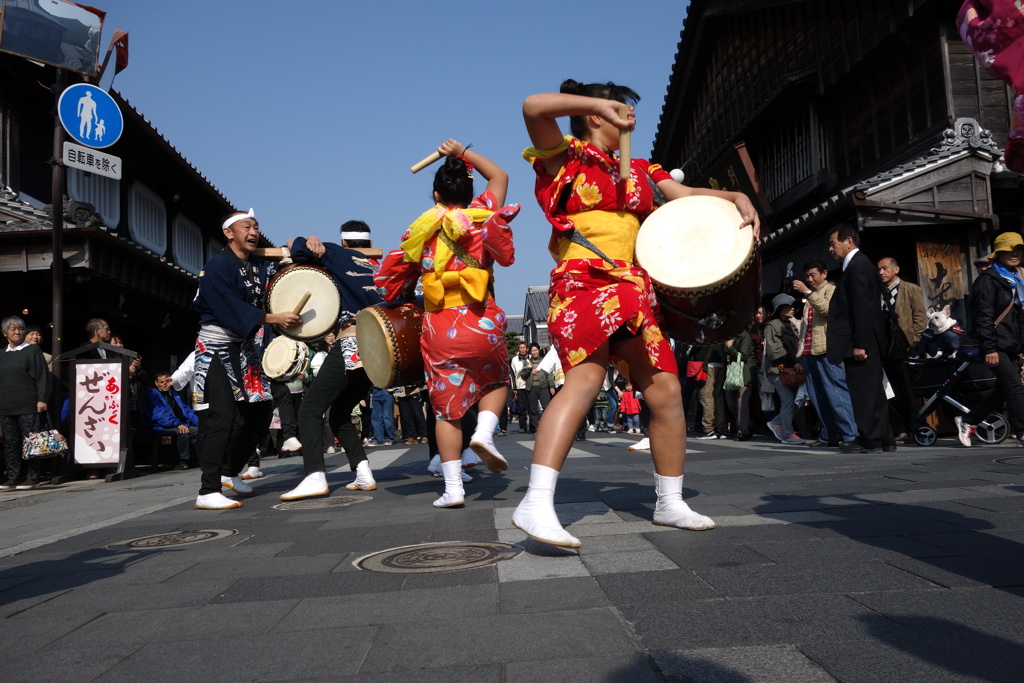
237 217
355 235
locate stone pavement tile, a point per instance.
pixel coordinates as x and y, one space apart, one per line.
957 654
455 603
466 577
839 550
551 595
453 535
80 664
32 633
965 572
479 673
824 578
177 624
634 668
655 587
538 560
765 664
689 556
309 586
324 654
627 562
267 566
616 543
666 625
506 638
593 512
976 544
930 613
278 533
110 598
893 526
344 541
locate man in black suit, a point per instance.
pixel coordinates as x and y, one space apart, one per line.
856 337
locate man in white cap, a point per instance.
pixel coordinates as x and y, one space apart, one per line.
229 380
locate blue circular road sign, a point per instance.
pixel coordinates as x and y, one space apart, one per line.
90 116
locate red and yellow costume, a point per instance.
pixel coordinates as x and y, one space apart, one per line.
591 298
463 341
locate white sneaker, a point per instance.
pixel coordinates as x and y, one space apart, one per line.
964 430
312 486
252 473
591 428
364 478
236 484
332 450
216 501
469 459
291 445
643 444
435 466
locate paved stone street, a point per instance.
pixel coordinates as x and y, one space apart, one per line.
902 566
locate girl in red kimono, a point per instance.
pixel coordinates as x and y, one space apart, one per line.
602 304
452 248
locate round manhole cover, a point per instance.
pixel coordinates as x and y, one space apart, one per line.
438 557
1015 460
173 538
318 503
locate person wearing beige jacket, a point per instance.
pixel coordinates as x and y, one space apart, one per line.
826 383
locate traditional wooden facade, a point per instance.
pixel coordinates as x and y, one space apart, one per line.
133 247
872 112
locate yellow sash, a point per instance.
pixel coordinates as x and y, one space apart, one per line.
452 288
613 232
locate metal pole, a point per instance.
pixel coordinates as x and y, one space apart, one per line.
57 200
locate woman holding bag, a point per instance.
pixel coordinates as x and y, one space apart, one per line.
25 380
739 351
780 351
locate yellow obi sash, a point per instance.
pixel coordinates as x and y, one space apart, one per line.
451 288
613 232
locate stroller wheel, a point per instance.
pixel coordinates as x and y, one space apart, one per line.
993 429
924 436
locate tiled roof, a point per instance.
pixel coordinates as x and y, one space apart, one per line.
952 146
537 303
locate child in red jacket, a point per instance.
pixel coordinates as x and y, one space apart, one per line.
629 406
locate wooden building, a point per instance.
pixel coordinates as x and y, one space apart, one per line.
133 248
872 112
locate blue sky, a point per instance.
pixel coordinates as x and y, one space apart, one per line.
312 112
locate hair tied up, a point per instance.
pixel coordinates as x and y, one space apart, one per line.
571 87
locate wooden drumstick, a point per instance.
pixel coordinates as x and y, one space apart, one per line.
624 144
420 165
302 303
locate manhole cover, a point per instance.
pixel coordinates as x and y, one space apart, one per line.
173 538
317 503
1015 460
438 557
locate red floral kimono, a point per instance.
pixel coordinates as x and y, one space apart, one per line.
591 298
463 341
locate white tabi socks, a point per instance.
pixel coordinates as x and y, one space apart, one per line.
536 516
482 442
672 511
312 486
364 478
454 493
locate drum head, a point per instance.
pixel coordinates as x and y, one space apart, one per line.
376 342
694 244
320 314
284 359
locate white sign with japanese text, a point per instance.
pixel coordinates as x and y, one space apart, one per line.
92 160
97 412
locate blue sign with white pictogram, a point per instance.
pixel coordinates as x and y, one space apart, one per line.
90 116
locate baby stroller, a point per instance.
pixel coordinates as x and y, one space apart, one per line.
969 387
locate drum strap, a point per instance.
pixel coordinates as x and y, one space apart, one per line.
577 237
459 251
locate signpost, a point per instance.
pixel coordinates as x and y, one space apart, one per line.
90 116
91 160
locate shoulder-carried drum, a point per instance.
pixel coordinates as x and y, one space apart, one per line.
320 312
389 344
705 269
284 359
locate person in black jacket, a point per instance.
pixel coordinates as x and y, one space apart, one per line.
856 338
996 298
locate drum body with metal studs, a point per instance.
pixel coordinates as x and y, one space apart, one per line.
705 269
389 344
320 312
